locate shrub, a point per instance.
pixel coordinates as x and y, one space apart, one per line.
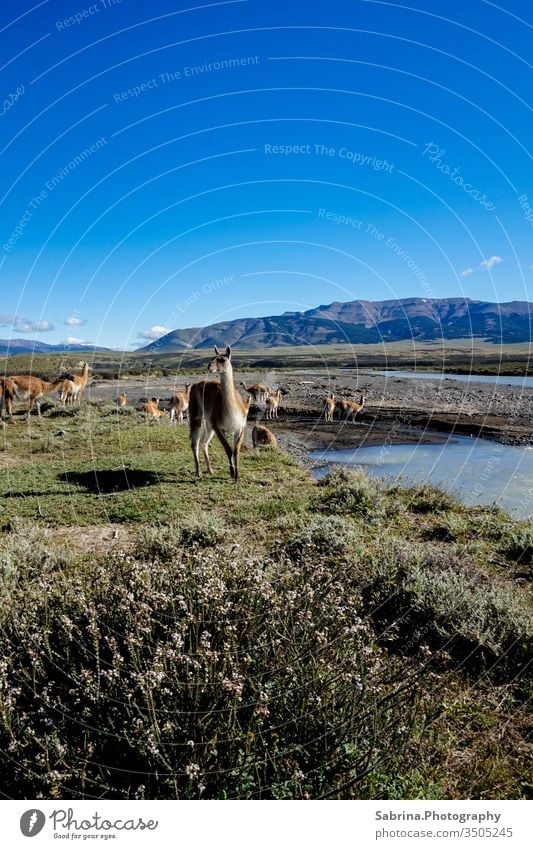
518 545
26 552
212 675
328 535
450 528
167 541
423 589
352 491
425 498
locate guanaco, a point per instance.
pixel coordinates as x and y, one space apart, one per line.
151 408
350 408
215 407
329 407
122 400
72 387
272 402
7 393
261 435
31 389
179 404
258 391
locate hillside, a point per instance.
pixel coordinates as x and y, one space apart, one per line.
363 322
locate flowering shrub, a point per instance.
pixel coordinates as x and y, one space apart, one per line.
206 674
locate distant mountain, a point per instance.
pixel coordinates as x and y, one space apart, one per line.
422 319
9 347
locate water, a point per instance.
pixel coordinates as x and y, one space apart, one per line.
476 471
502 379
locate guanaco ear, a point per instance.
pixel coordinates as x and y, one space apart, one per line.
228 351
217 352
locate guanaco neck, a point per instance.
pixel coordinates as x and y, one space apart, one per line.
227 387
84 375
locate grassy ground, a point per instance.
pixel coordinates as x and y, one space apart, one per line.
280 638
450 355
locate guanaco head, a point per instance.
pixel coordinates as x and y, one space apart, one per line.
221 362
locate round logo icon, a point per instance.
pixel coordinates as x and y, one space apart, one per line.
32 822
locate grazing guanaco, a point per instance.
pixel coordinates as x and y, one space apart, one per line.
122 400
350 408
329 407
31 389
262 436
215 407
272 402
258 391
179 404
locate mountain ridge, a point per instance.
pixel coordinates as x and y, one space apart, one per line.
362 321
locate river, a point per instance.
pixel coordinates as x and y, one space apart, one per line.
524 382
476 471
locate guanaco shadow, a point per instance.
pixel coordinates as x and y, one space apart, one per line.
114 480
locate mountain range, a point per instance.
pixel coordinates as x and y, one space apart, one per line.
9 347
421 319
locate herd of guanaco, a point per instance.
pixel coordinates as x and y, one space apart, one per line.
214 407
26 387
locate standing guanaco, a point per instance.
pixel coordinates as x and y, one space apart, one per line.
350 408
215 407
257 391
179 404
272 402
31 389
72 387
7 393
329 407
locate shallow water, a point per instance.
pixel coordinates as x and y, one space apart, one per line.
502 379
476 471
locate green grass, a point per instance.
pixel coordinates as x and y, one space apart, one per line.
277 638
103 466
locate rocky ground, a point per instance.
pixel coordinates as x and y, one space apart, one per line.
397 409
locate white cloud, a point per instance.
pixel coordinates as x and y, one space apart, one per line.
466 272
155 331
488 263
25 325
74 321
73 340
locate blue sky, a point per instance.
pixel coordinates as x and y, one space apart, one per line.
183 163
